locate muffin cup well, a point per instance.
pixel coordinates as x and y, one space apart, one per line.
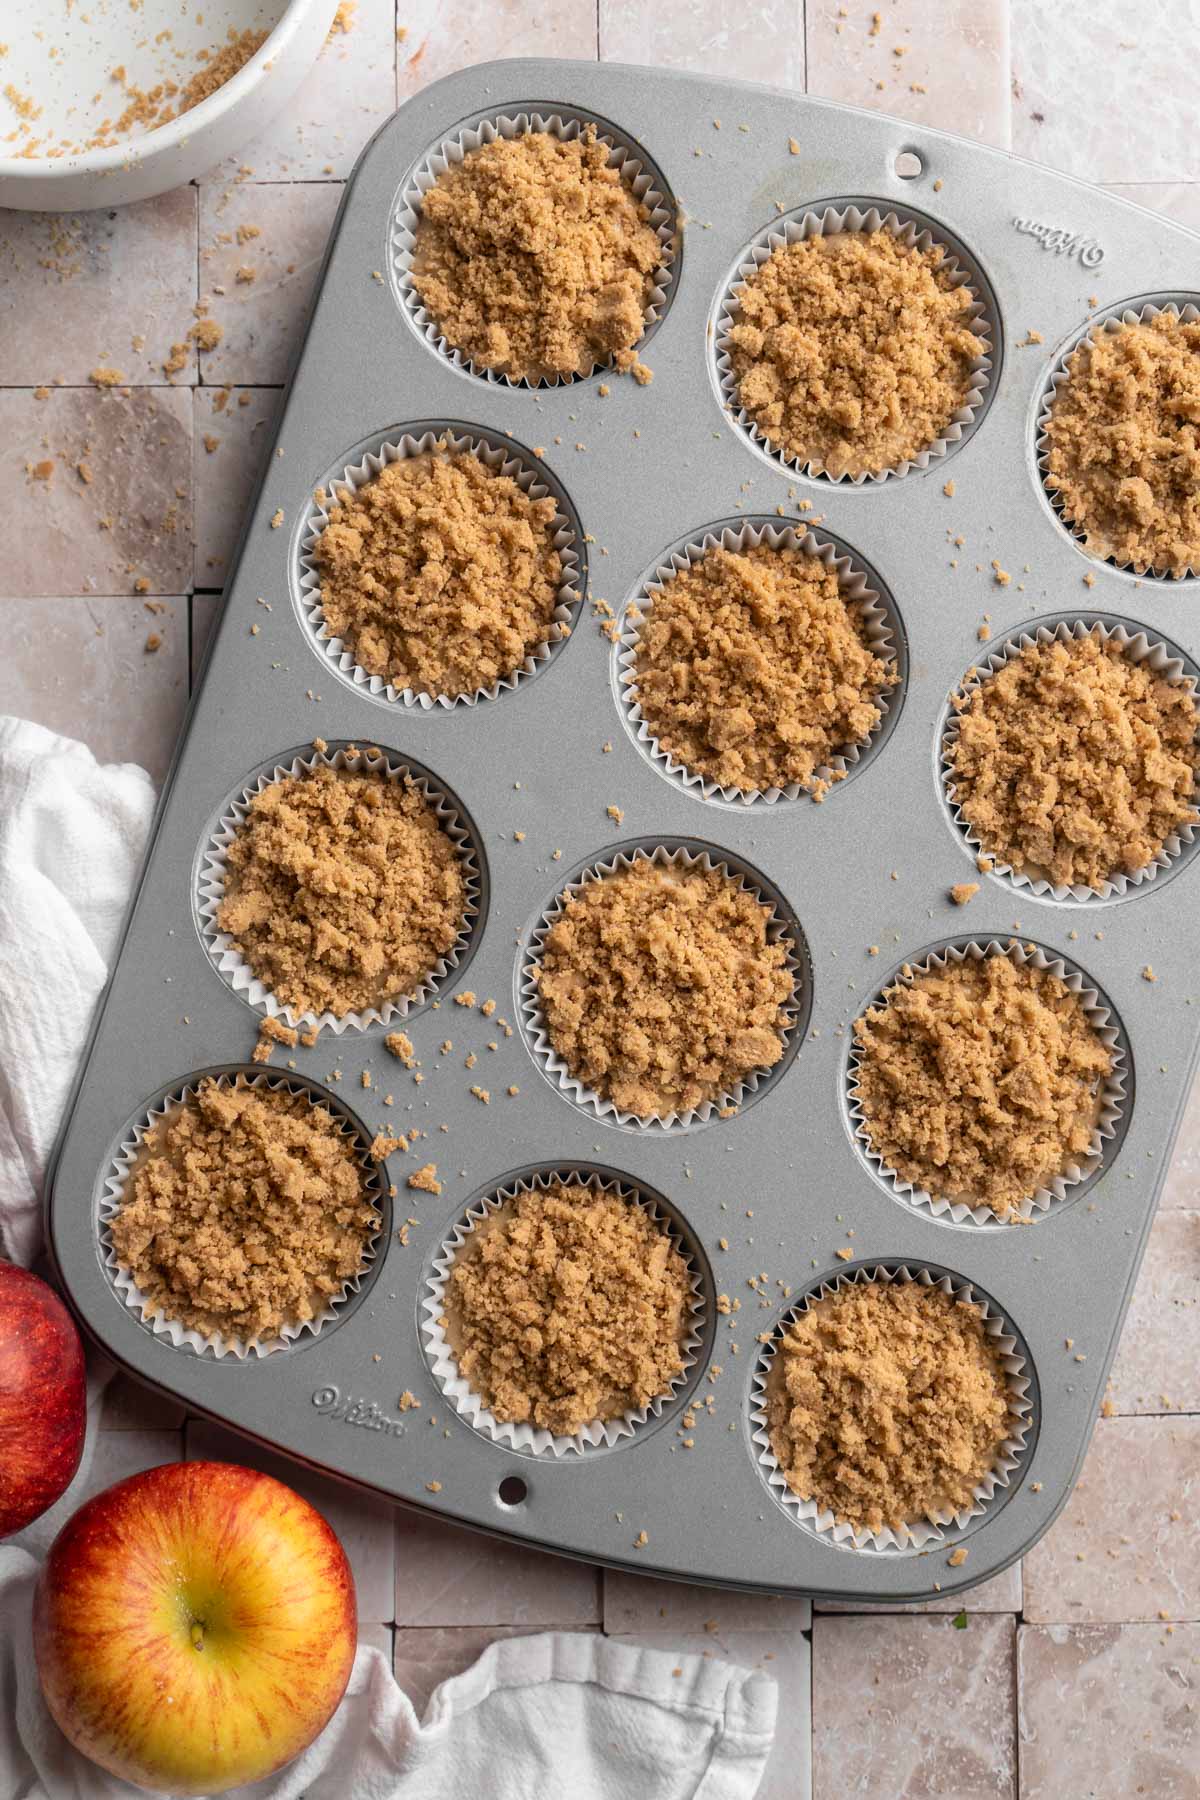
1162 659
913 231
502 457
228 960
1111 1098
883 634
1111 321
625 155
534 1440
921 1534
533 1022
220 1347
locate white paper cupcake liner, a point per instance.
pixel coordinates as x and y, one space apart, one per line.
921 1534
1111 321
1162 658
538 1038
882 630
219 1346
534 1440
624 155
1111 1098
228 960
911 230
501 456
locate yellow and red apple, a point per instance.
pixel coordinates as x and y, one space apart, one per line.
194 1627
43 1399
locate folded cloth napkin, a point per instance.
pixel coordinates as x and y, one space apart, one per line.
71 838
552 1717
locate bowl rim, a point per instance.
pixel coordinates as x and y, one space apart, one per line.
174 133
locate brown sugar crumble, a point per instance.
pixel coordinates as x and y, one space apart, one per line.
661 987
246 1211
567 1305
853 352
1124 453
1074 763
886 1404
342 890
979 1082
754 671
441 575
535 258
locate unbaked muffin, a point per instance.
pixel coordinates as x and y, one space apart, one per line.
342 891
662 987
567 1304
887 1404
854 351
980 1082
247 1210
1074 763
754 671
440 576
1123 440
535 259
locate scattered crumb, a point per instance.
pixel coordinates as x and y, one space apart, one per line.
962 891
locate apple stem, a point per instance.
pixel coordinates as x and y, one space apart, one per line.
197 1635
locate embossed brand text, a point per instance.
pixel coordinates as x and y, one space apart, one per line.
1063 243
349 1410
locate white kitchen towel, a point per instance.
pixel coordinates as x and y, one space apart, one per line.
559 1716
71 837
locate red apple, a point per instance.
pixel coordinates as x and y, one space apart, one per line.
43 1398
194 1627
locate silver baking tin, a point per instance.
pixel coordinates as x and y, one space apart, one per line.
364 371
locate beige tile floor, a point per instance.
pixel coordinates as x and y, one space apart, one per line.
1076 1677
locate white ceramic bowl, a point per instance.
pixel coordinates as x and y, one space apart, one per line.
59 64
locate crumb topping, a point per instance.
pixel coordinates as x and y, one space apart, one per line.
1124 446
441 575
246 1211
1075 763
342 890
567 1305
853 351
753 670
886 1404
980 1081
661 988
535 258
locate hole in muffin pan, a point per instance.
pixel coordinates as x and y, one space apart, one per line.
641 169
359 465
1114 1099
121 1157
987 324
909 165
893 645
512 1491
523 1439
690 851
1019 1448
1181 300
208 885
1150 880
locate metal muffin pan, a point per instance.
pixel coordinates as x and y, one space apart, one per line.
644 469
